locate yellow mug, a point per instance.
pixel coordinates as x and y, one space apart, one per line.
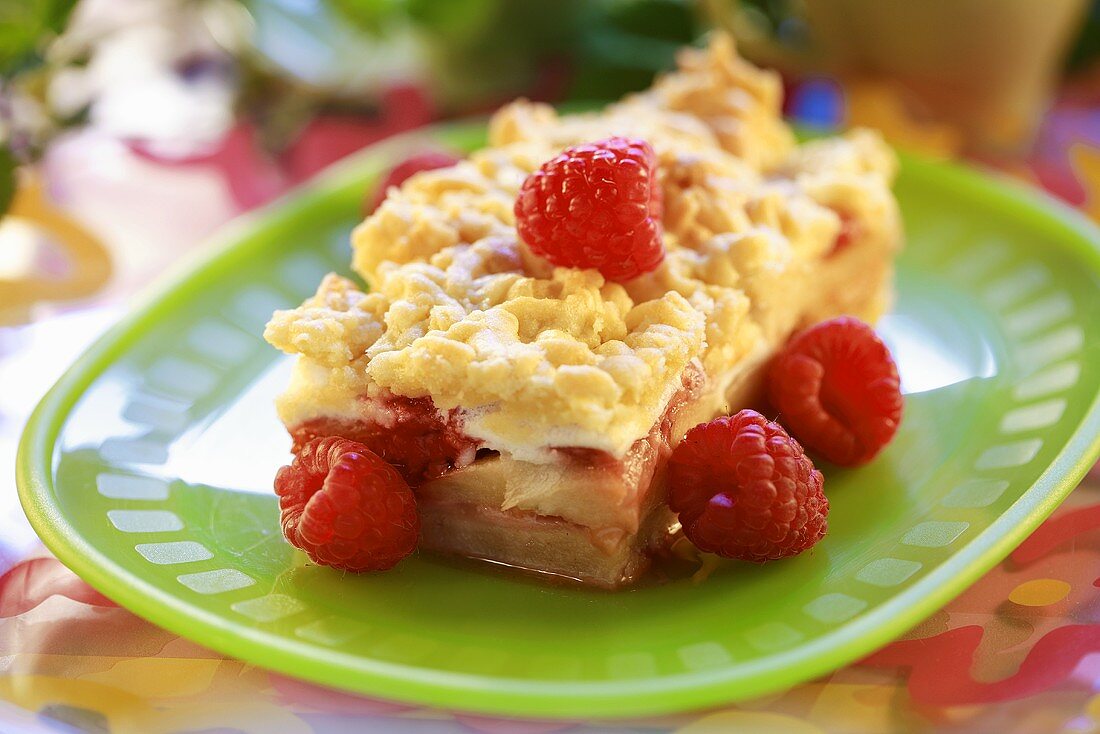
89 264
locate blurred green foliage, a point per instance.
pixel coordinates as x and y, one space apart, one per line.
622 45
484 51
26 28
1087 49
7 179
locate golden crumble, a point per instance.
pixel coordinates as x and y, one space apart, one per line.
538 356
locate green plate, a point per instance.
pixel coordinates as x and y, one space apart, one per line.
148 467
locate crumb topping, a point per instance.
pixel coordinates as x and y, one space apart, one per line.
469 329
537 356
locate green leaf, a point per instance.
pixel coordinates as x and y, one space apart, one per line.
1086 51
25 25
7 180
371 16
455 20
622 45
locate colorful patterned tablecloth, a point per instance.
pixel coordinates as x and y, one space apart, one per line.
1017 653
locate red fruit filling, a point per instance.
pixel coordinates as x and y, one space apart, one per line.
851 229
420 441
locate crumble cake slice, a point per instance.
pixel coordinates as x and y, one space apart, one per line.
532 408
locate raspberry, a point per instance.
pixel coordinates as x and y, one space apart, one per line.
850 230
836 387
745 489
346 508
595 206
429 160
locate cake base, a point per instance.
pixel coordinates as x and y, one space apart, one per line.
544 545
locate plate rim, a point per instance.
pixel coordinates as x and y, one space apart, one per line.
1071 231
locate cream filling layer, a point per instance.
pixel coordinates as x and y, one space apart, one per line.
313 394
